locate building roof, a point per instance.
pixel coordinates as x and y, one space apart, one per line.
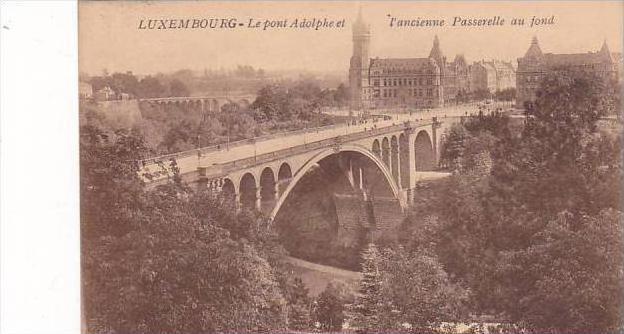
486 65
460 59
570 59
534 50
574 59
359 26
436 52
502 65
403 64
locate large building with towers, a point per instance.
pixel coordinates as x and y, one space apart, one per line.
535 65
426 82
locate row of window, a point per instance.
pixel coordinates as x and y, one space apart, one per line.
403 82
402 70
395 102
533 78
413 92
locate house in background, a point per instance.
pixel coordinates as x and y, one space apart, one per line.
85 90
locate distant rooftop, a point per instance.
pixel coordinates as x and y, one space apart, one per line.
403 63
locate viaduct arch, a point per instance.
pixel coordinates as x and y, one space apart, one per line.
375 167
359 177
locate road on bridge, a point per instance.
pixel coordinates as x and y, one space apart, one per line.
189 161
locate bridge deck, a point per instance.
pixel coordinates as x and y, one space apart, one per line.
218 159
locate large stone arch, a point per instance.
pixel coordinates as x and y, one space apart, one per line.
328 152
423 150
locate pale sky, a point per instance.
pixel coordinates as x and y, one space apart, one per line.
109 36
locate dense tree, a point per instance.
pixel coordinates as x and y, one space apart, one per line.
342 95
552 166
525 236
184 75
462 96
418 291
269 104
119 82
369 304
151 87
507 94
467 146
178 88
299 305
177 127
180 137
247 71
124 83
571 278
306 89
108 178
168 260
481 94
331 306
300 101
452 147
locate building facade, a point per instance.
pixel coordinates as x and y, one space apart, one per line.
402 82
85 90
105 94
492 76
535 65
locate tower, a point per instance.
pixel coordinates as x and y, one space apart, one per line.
609 69
440 60
534 52
436 53
358 69
529 73
605 53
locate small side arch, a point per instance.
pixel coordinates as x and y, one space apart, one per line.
376 148
247 190
423 151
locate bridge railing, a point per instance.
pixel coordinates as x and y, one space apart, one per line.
265 157
227 146
227 166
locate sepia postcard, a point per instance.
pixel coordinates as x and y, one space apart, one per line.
351 166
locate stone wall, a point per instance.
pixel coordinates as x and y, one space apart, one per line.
388 217
351 214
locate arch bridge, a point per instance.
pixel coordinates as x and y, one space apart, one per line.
210 104
369 170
